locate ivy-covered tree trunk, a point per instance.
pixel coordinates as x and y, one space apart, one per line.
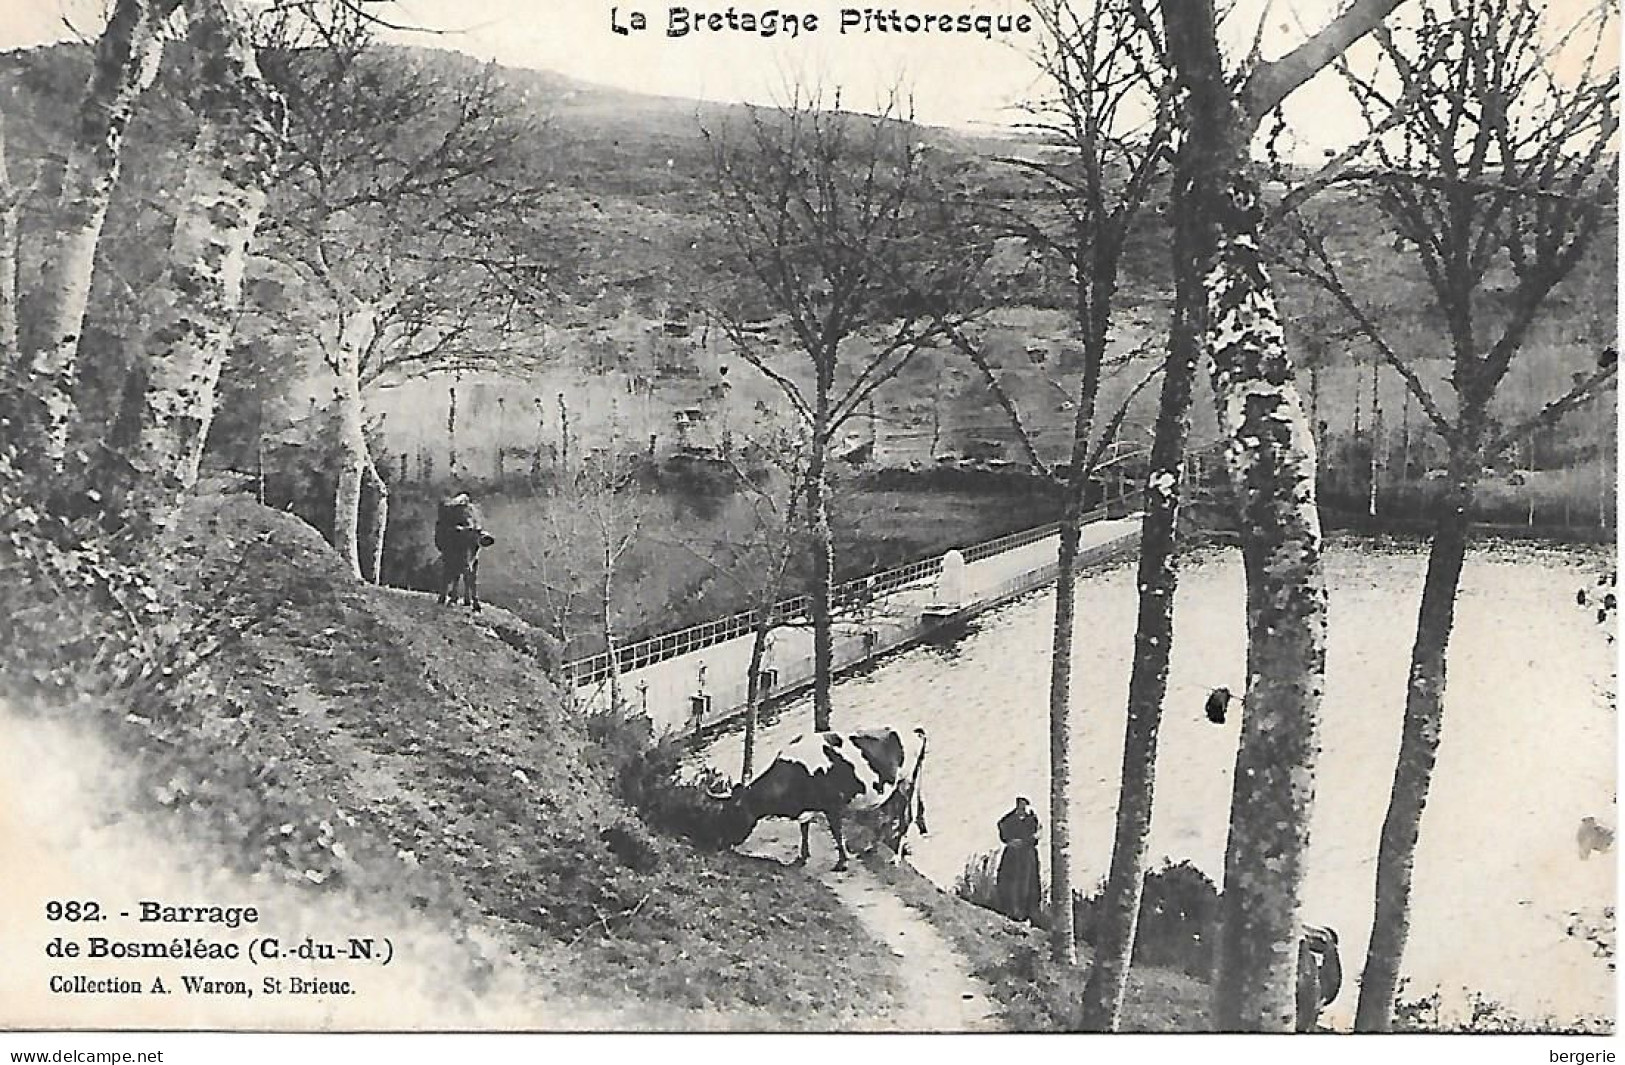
1419 741
1118 913
167 414
124 65
1271 457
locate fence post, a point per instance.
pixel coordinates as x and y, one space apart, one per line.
950 590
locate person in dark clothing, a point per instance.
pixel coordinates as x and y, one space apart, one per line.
453 516
1320 975
1020 895
459 535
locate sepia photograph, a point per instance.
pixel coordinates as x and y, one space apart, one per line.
1077 517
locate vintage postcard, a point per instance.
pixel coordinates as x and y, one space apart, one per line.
980 516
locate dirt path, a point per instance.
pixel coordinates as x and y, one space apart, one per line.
938 991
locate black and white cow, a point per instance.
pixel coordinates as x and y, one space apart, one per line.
831 773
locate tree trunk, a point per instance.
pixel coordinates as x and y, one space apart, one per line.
223 196
370 542
823 549
936 415
125 64
564 437
451 433
771 590
347 493
1062 937
353 458
1418 746
1092 311
1119 910
753 692
606 606
1405 441
11 208
1271 455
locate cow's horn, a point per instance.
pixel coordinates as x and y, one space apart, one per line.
721 791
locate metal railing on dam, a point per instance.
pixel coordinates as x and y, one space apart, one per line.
697 677
846 599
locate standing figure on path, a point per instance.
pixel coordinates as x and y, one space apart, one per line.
459 537
1020 895
1320 974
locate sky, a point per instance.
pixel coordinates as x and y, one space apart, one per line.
959 80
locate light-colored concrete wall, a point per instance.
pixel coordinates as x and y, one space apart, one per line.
665 690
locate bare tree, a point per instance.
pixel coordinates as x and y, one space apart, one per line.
1271 458
400 213
583 541
758 560
1104 121
842 229
599 496
1498 178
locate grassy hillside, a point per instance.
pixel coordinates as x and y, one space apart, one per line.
366 741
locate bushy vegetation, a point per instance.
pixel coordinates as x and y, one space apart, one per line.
646 774
1178 909
1483 1016
340 736
1034 993
978 882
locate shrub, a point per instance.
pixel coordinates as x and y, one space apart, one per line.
1177 913
978 882
1178 908
631 845
89 612
644 772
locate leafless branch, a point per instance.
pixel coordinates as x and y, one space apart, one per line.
1584 391
1320 268
1271 83
1002 397
1115 424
